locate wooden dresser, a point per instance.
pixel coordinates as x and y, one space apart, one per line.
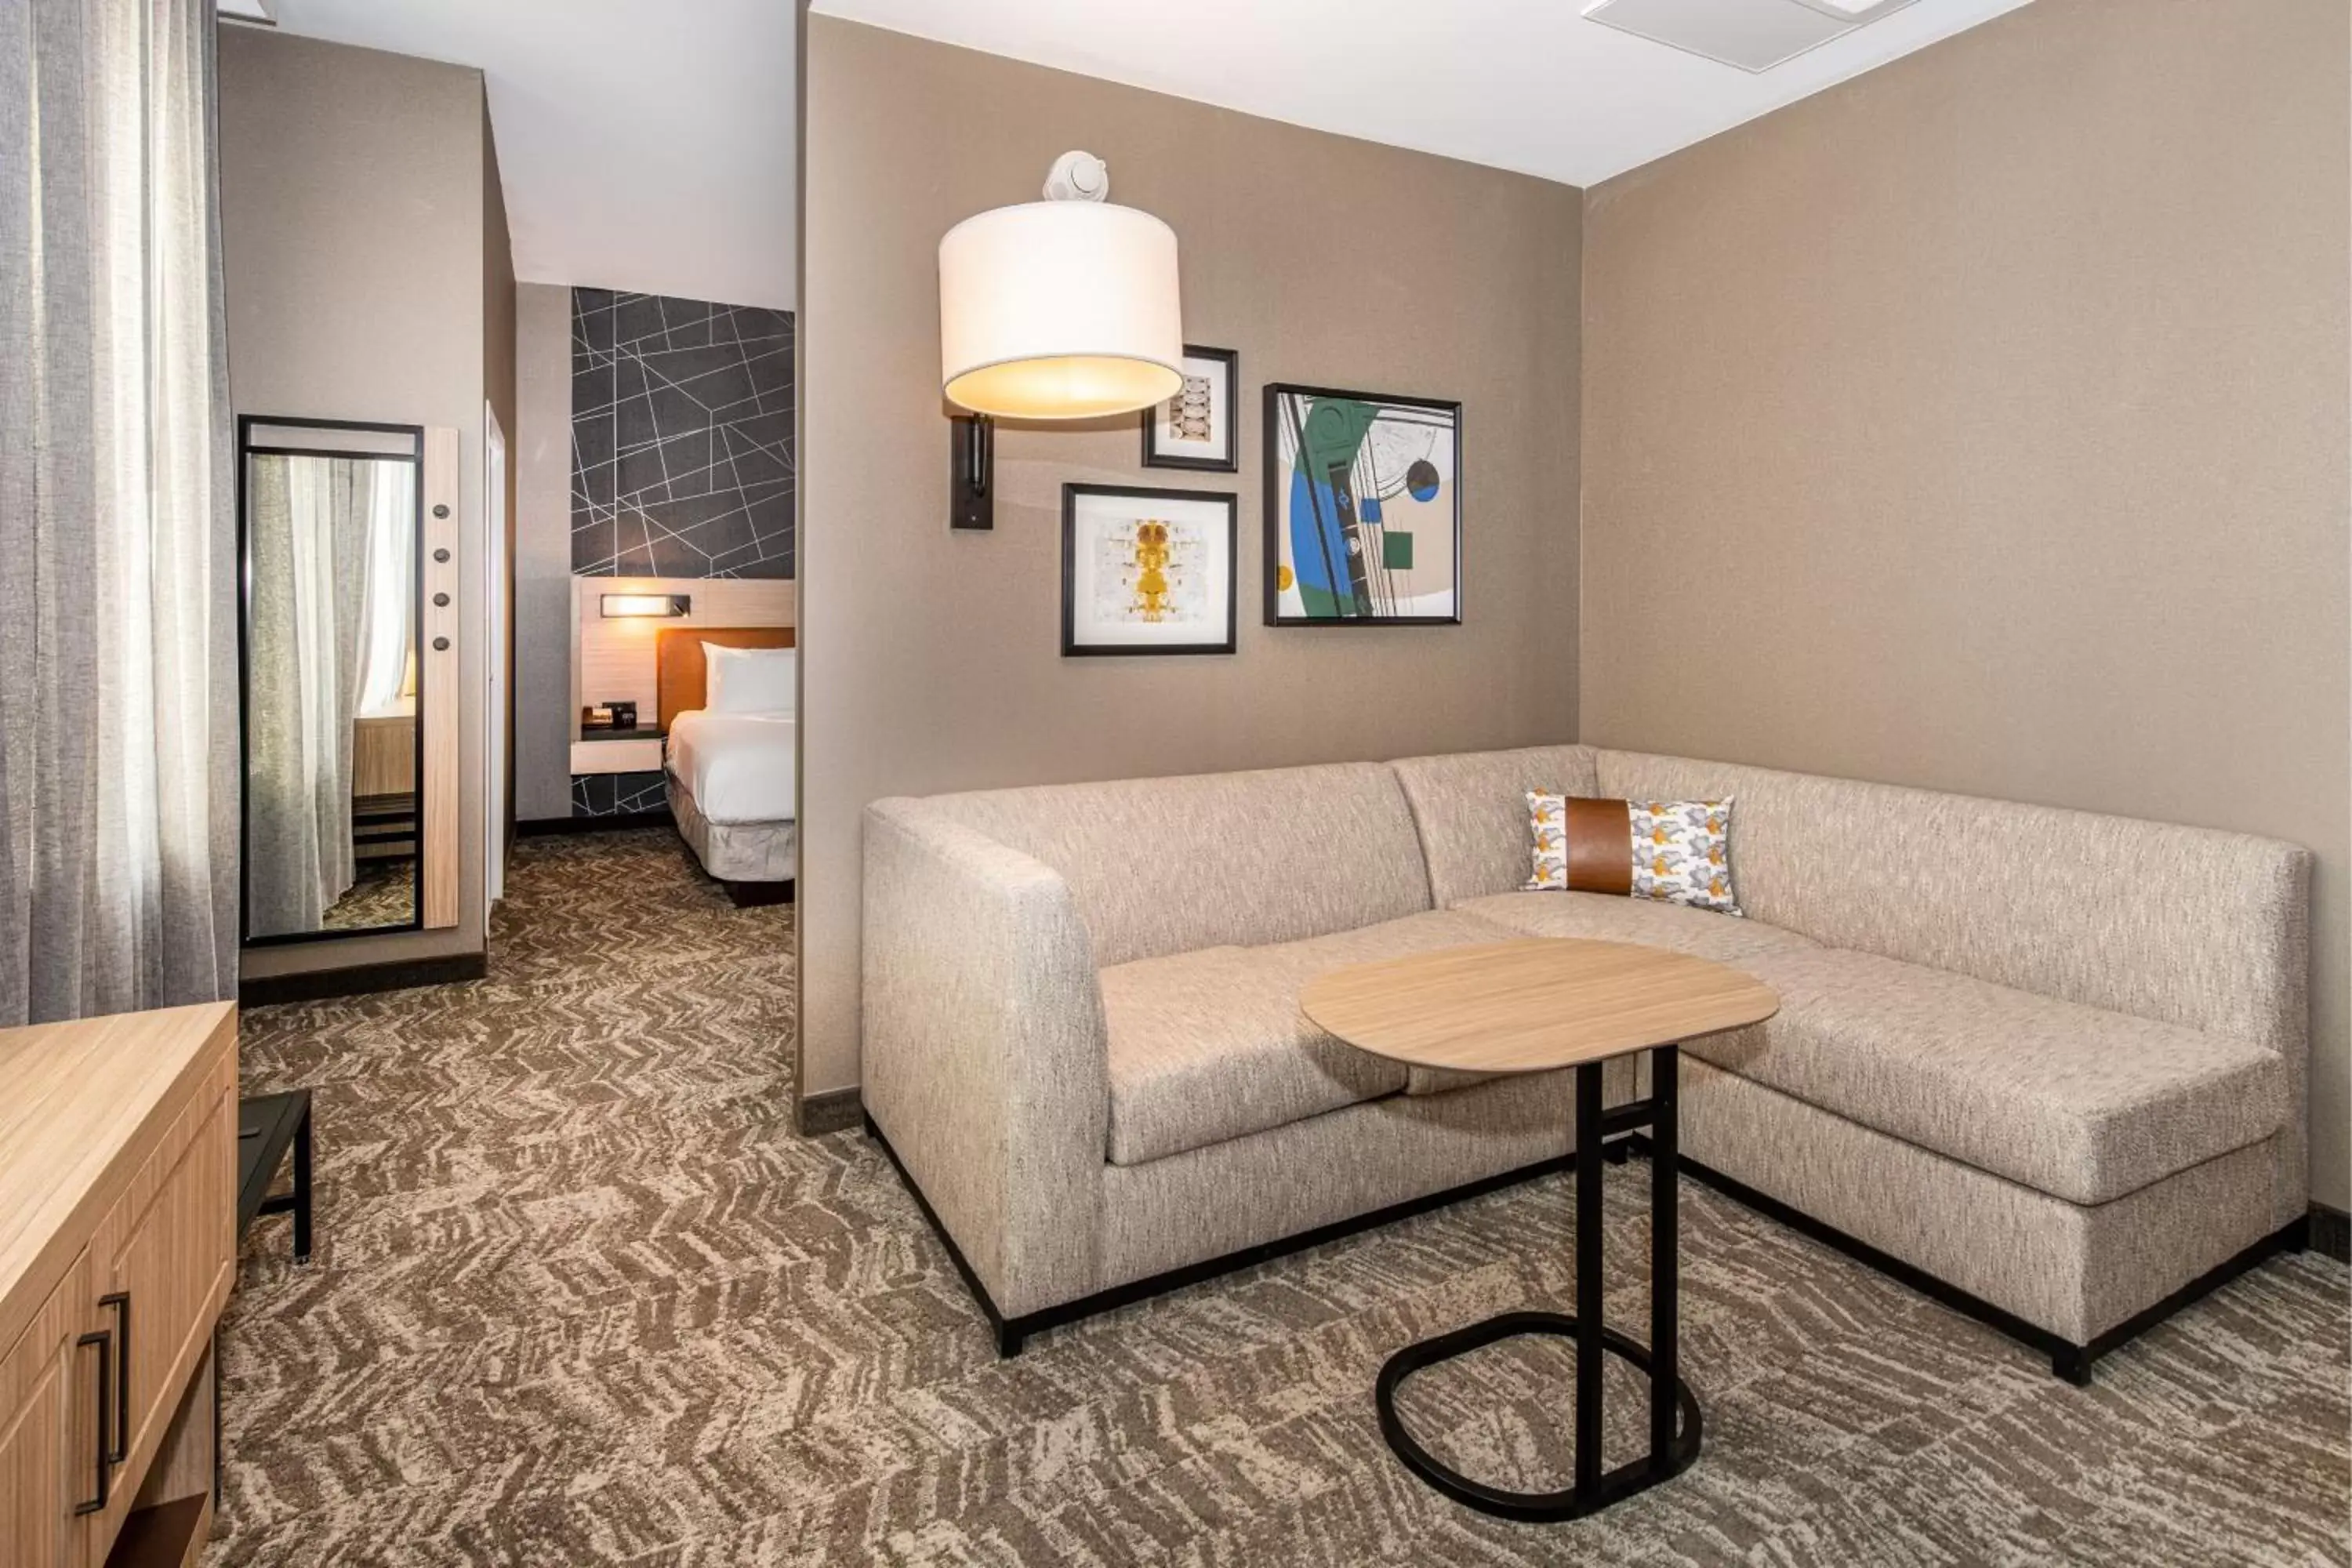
118 1173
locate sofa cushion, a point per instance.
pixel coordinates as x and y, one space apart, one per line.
2199 928
1211 1044
1161 867
2081 1104
1471 811
1601 917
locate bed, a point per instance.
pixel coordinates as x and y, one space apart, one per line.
731 777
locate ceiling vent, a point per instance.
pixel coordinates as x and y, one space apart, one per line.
1754 35
1855 10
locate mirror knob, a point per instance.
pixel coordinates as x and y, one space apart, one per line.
441 601
441 556
440 645
440 508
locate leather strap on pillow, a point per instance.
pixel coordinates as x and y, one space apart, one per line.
1600 846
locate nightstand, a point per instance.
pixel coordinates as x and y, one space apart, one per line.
636 750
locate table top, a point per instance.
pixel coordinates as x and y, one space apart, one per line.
1532 1005
79 1102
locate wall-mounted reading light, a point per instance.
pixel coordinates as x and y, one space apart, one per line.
1064 309
618 606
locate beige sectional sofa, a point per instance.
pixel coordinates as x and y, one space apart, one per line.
2047 1064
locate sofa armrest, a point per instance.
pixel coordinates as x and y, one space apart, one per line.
985 1062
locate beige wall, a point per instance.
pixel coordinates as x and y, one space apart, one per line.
542 624
932 661
1981 423
353 222
498 389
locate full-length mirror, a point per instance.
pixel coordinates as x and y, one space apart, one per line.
334 530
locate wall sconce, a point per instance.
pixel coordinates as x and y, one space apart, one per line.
1064 309
633 607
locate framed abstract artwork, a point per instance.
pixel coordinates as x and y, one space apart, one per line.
1146 571
1198 427
1363 509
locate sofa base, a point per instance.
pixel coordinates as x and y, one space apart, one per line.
1011 1333
2067 1360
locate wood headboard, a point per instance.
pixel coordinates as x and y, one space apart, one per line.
679 662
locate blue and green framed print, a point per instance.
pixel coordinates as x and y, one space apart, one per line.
1363 509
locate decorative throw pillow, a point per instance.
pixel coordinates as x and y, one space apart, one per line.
1678 852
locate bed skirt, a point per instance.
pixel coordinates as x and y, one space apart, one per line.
735 852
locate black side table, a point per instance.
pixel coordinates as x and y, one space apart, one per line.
1537 1005
266 1126
1676 1424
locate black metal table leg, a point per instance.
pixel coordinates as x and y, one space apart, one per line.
1675 1421
1590 1327
220 1449
303 1187
1666 1262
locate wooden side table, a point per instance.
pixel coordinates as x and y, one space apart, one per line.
1536 1006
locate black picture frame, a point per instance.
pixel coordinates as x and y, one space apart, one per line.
1230 463
1230 501
1272 467
248 449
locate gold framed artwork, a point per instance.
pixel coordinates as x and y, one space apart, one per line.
1146 571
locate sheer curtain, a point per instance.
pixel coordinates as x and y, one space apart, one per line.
330 542
118 650
391 561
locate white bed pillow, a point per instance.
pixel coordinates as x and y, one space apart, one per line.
749 679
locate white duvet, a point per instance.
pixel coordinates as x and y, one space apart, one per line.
738 767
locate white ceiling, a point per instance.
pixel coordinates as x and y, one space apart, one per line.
643 144
1520 84
648 144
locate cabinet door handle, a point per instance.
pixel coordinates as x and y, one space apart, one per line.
104 1339
121 1301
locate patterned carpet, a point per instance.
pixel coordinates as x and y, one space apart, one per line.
385 894
583 1296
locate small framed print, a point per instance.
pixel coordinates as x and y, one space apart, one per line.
1146 571
1196 428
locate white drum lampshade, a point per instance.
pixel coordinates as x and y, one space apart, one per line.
1059 309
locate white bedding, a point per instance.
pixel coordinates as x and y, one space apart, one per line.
738 767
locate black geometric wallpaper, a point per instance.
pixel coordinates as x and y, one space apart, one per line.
681 437
617 795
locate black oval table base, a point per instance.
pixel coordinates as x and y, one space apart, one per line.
1574 1502
1674 1415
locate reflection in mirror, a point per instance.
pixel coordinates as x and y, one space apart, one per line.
332 757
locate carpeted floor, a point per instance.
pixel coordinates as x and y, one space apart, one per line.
383 894
583 1296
